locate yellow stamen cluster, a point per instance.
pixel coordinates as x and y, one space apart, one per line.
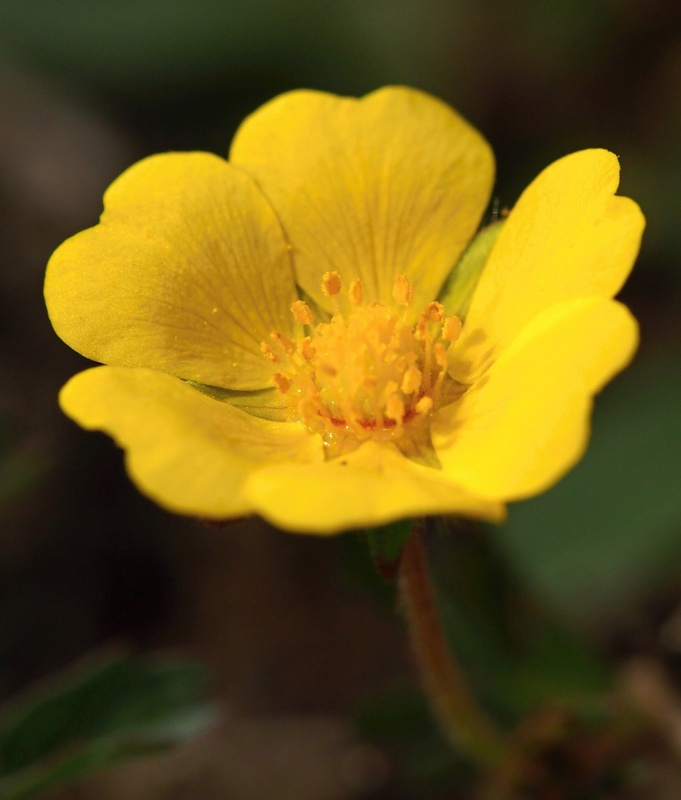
369 373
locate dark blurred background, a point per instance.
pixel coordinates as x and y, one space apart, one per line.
297 633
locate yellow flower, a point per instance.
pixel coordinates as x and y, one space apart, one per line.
281 339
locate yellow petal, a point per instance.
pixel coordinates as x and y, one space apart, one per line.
567 237
395 182
526 421
373 485
187 273
188 452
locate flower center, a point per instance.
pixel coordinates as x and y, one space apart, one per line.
368 373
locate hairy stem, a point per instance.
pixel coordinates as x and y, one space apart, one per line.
462 720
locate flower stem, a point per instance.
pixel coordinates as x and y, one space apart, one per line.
463 722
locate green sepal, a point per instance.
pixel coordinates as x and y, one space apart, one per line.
263 403
386 544
458 290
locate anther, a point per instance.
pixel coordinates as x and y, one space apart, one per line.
451 329
283 341
435 312
307 412
331 283
412 380
307 349
402 290
269 354
394 408
424 405
356 293
281 382
302 313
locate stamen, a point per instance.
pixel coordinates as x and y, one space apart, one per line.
329 369
283 342
281 382
307 412
356 293
412 380
435 312
269 354
368 371
307 349
451 329
402 290
331 284
302 313
424 405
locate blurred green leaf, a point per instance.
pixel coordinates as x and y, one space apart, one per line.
20 469
173 49
400 719
517 657
612 527
142 43
96 715
552 667
652 178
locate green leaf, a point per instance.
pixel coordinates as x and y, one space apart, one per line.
458 290
611 529
96 715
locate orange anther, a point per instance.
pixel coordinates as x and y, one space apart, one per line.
281 382
302 313
424 405
402 290
435 311
329 369
284 342
307 348
394 408
412 380
356 293
307 411
451 329
269 354
331 283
